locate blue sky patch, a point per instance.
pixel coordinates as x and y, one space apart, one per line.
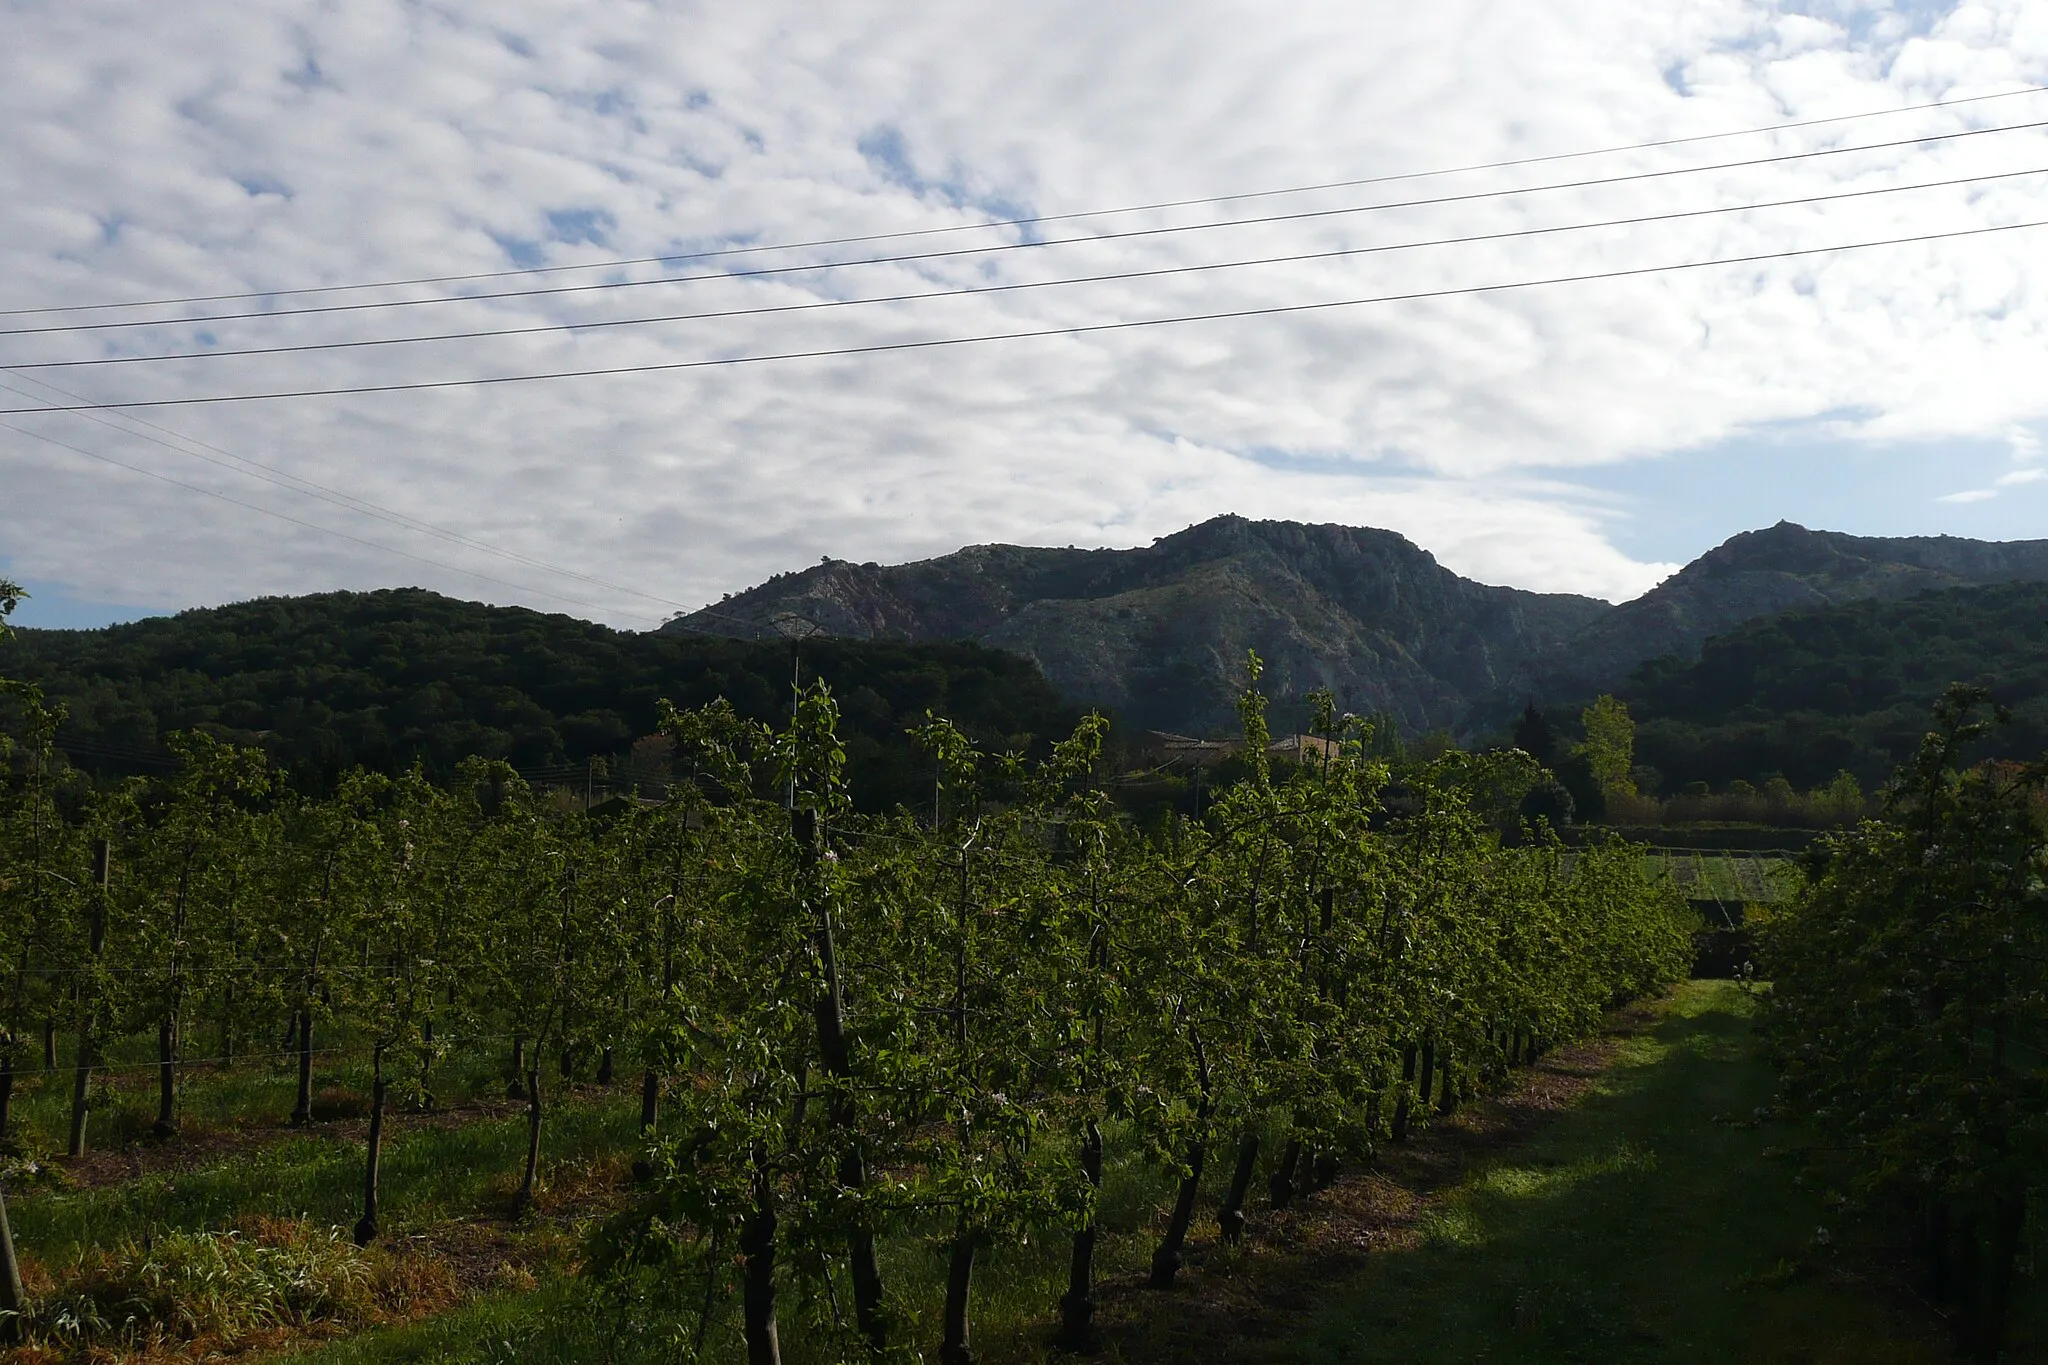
308 76
523 252
256 186
580 227
51 608
888 152
1674 507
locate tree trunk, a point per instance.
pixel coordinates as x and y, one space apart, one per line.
81 1074
650 1113
13 1302
523 1201
1426 1086
102 875
166 1125
515 1089
373 1157
1934 1248
605 1067
829 1015
1400 1132
6 1098
2005 1222
1230 1218
1167 1259
302 1107
757 1246
1077 1306
49 1042
1963 1279
427 1101
1280 1188
862 1262
954 1348
1447 1086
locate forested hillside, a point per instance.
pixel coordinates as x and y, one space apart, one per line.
1753 577
381 679
1811 693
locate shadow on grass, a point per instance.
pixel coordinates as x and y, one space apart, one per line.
1649 1224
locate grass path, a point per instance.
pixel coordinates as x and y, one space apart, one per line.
1650 1223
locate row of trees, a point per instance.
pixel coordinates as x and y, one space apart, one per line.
1910 1011
846 1027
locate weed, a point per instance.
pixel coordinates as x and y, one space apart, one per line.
225 1288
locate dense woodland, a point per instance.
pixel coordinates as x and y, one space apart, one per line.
384 680
1810 694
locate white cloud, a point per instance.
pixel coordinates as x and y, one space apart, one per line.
215 148
1969 495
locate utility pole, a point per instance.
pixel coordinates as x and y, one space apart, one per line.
102 867
796 630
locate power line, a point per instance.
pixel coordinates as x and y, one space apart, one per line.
1034 221
1078 329
968 291
954 253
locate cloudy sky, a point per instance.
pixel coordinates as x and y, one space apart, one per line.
1584 436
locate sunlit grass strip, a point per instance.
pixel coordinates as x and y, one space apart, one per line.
227 1288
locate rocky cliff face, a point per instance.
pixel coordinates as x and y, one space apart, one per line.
1160 633
1758 573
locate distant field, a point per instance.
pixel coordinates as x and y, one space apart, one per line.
1737 878
1725 877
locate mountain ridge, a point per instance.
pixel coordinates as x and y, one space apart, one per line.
1159 632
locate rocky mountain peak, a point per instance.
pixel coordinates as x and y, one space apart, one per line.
1160 632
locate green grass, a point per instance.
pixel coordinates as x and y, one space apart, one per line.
429 1174
259 1091
1018 1284
1650 1224
490 1329
1714 876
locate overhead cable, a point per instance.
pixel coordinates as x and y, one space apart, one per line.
958 252
967 291
1040 219
1077 329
